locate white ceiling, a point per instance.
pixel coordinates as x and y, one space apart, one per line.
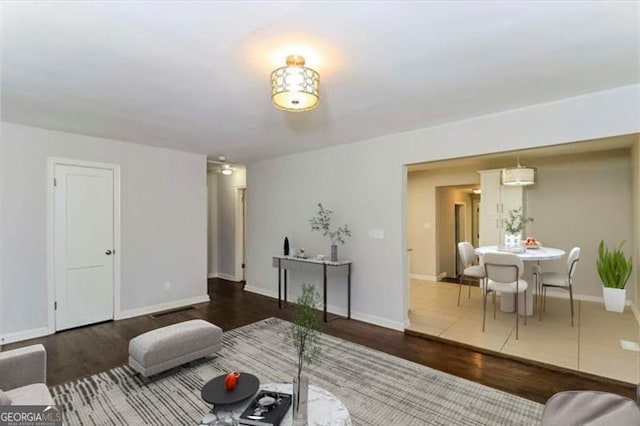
195 75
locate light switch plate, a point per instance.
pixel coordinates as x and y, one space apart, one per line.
630 346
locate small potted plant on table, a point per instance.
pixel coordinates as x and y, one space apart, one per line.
514 225
322 222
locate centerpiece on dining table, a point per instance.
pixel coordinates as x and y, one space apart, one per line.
514 225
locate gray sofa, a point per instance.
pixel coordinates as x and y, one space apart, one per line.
23 377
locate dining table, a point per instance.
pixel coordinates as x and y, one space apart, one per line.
532 254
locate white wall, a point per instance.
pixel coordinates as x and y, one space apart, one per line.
212 223
163 219
227 204
577 201
365 184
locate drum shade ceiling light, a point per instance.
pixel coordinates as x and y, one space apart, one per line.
519 175
295 87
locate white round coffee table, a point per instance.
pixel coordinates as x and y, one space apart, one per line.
324 408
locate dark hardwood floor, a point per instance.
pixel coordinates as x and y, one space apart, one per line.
88 350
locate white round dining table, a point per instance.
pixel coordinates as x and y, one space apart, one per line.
538 254
529 255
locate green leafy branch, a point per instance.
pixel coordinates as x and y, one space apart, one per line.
516 221
322 222
304 329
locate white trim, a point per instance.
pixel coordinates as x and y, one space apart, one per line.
51 163
238 220
423 277
228 277
163 307
563 294
223 276
371 319
19 336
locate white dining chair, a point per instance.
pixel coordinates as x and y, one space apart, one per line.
470 271
503 272
562 280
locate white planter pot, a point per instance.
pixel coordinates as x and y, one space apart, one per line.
614 299
512 240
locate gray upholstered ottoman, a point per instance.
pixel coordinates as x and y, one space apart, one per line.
167 347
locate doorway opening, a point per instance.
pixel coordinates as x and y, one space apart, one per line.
453 224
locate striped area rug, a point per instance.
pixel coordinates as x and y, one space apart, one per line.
377 389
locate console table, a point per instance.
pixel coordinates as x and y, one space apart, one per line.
293 263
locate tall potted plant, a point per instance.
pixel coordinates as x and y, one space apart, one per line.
614 270
514 225
304 334
322 222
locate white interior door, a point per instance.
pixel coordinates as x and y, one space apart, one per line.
83 245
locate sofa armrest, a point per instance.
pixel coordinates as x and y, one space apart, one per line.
23 366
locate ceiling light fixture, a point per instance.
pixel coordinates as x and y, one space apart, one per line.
519 175
226 170
295 87
221 166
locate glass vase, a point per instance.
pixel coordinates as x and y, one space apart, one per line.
334 253
300 398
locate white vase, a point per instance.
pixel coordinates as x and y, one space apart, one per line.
299 400
512 240
614 299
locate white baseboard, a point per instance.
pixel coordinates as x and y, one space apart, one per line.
161 307
19 336
224 276
441 276
229 277
45 331
423 277
360 316
559 294
563 294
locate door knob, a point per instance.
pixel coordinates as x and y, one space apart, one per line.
108 252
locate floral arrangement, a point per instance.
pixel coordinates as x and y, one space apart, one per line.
516 221
322 222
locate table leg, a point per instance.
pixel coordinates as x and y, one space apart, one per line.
349 292
279 285
286 272
324 282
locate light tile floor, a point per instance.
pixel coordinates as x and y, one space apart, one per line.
592 345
